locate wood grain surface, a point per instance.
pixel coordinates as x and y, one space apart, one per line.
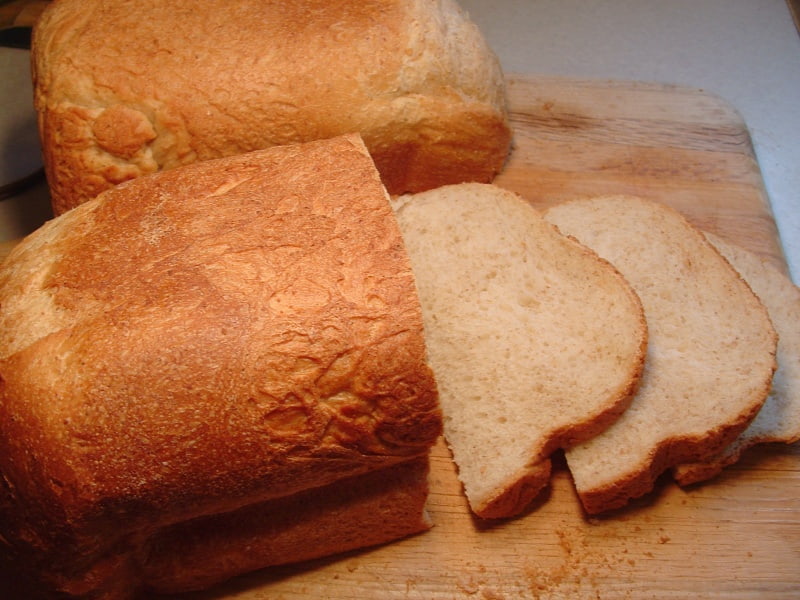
737 536
21 13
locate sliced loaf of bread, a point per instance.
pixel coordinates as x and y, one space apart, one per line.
535 341
779 418
711 348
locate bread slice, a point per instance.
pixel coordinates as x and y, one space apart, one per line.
711 350
124 89
779 418
523 363
204 340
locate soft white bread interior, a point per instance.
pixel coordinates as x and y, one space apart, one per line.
711 349
535 341
778 421
128 88
200 341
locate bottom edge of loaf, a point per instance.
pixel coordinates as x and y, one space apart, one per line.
359 512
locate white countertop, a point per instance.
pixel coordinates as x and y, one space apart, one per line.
745 51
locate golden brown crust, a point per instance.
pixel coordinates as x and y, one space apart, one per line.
366 510
667 454
361 511
512 500
213 336
128 88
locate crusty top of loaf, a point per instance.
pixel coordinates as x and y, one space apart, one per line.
127 88
206 337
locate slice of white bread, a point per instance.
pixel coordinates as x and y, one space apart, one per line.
711 348
779 418
523 363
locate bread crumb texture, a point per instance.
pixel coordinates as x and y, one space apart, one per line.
779 417
536 342
711 348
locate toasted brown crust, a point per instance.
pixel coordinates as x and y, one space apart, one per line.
124 89
214 336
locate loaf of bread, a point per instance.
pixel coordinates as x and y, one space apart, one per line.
535 341
778 421
711 349
210 370
127 88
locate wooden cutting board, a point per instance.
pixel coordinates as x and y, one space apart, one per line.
737 536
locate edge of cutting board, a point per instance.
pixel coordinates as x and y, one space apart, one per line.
683 146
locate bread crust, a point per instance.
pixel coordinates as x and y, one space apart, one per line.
204 339
125 88
367 510
361 511
523 488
